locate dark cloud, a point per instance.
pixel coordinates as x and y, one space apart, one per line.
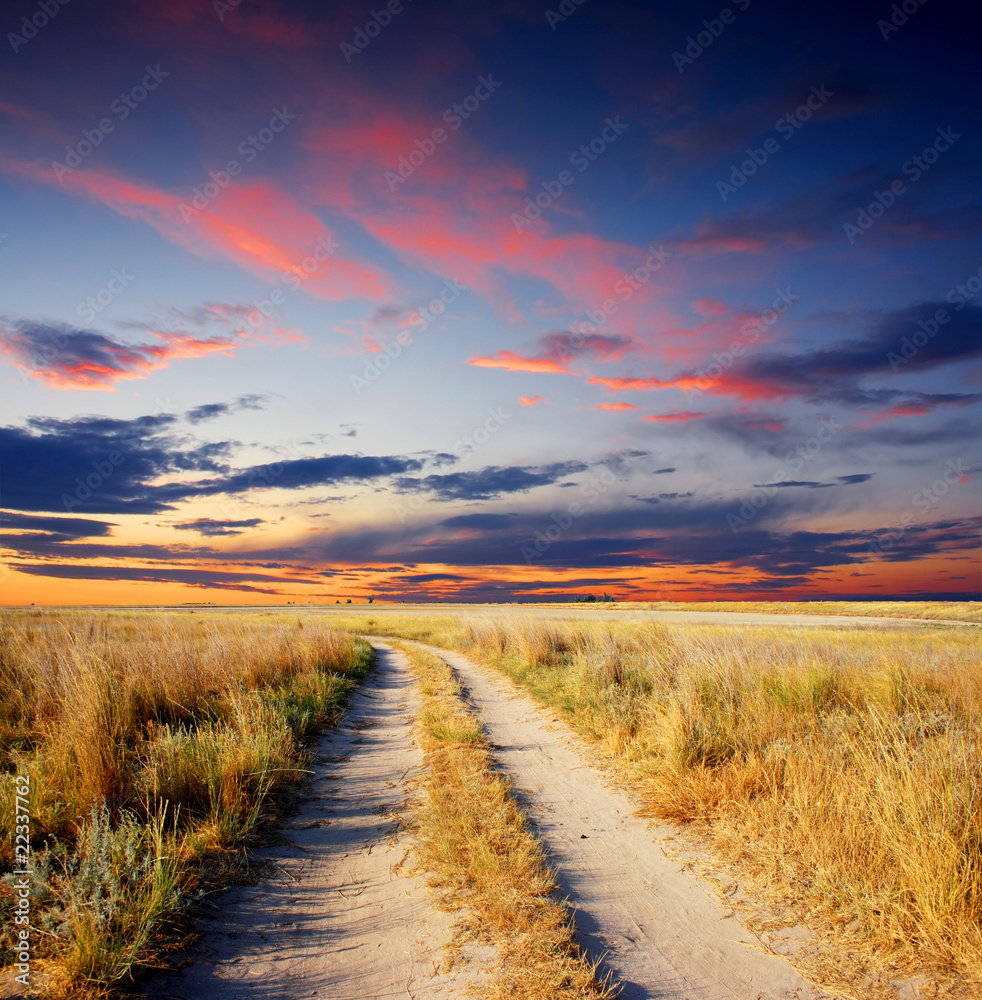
209 411
817 218
562 346
97 464
298 473
210 528
207 579
899 344
102 465
68 357
807 484
729 127
56 527
483 522
489 482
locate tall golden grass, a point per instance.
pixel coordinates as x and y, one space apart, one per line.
839 769
845 766
151 741
958 611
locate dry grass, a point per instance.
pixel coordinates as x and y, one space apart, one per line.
153 742
474 839
840 770
845 766
957 611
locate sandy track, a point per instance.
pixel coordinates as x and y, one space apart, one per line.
342 920
665 936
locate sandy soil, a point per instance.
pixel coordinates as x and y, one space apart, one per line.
664 935
341 918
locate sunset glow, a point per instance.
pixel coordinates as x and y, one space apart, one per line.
291 318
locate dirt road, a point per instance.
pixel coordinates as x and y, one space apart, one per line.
340 918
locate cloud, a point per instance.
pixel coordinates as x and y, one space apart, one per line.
209 411
676 417
254 224
900 344
66 357
815 219
210 528
482 522
98 464
532 400
514 362
112 464
557 352
204 578
614 406
492 481
63 528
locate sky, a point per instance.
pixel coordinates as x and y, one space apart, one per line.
430 301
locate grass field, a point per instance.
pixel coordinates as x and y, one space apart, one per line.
956 611
153 744
839 769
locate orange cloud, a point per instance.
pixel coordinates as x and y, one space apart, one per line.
621 383
513 362
532 400
676 417
614 406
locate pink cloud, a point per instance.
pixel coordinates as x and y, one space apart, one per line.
255 225
710 307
